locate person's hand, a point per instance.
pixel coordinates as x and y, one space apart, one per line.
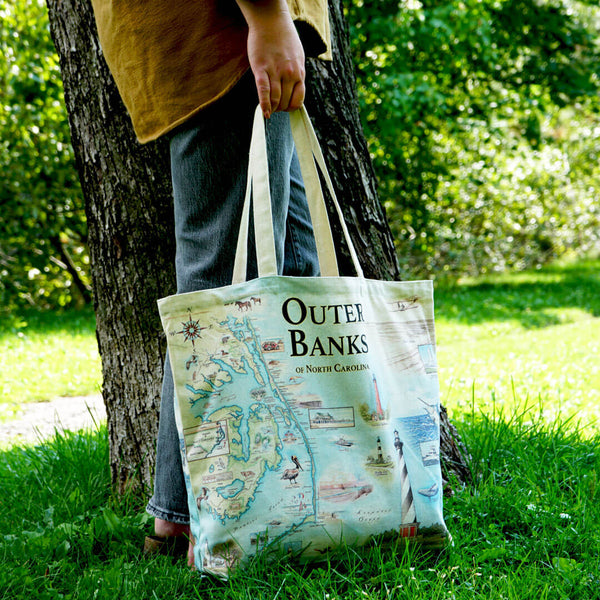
276 55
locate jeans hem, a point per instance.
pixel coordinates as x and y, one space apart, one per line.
167 515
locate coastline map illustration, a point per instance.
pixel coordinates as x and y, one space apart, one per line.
290 436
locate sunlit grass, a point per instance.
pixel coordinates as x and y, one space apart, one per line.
45 355
530 337
527 529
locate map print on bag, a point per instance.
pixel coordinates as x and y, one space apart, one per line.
307 424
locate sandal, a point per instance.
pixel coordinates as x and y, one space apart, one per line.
174 546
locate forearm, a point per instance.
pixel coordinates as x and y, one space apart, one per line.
275 54
259 13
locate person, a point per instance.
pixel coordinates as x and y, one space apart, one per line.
195 71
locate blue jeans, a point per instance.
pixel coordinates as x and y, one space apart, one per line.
209 160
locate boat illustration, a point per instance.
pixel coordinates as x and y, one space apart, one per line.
289 437
342 441
429 454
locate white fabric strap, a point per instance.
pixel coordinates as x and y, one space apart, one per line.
259 195
257 192
301 123
314 196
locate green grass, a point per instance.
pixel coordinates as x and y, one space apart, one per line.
528 529
530 338
44 355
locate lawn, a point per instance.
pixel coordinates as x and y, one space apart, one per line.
523 339
528 528
45 355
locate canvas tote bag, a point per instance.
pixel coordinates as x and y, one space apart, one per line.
307 407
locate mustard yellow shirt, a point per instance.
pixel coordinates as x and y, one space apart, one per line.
171 58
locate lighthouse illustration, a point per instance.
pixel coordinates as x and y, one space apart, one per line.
378 415
409 525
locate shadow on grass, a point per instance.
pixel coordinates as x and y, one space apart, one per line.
534 298
80 321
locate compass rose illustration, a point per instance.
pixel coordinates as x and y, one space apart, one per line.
191 329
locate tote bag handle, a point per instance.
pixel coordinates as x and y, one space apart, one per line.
257 190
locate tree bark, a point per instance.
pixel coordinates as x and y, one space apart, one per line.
127 191
332 103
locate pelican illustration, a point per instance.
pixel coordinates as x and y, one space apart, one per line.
291 475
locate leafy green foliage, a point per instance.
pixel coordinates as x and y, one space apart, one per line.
482 117
482 120
42 228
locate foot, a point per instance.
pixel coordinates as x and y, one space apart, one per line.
164 528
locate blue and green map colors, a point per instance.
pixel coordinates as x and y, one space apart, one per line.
308 414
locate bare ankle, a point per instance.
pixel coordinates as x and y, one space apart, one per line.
164 528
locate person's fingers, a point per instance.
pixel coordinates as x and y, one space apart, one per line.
275 95
297 97
263 88
276 90
287 87
292 75
289 77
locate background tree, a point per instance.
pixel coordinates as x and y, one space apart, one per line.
43 256
482 118
128 207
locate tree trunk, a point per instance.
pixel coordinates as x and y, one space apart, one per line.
129 211
127 190
332 103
